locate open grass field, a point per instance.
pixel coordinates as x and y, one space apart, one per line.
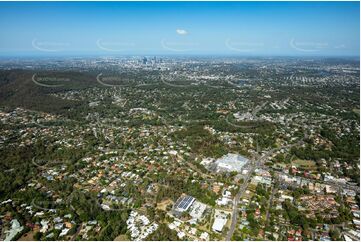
121 237
163 204
27 236
304 164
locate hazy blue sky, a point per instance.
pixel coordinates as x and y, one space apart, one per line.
226 28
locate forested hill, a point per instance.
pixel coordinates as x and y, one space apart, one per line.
18 89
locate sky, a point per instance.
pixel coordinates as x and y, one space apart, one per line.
180 28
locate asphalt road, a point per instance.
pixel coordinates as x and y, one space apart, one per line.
270 203
255 164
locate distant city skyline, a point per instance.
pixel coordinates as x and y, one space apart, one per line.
180 28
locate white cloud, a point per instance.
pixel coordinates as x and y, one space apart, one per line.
181 31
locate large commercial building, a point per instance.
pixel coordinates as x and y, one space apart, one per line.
183 204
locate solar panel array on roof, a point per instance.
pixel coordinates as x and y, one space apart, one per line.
184 202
